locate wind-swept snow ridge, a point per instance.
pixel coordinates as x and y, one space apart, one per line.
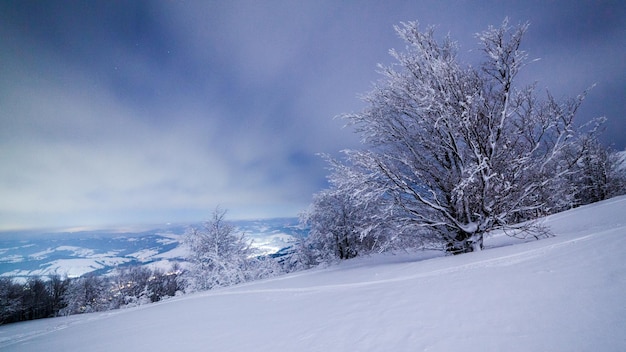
564 293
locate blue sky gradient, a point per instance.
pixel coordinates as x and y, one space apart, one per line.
123 112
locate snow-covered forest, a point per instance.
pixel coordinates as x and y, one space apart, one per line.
455 158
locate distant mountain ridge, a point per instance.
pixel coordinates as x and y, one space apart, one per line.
25 254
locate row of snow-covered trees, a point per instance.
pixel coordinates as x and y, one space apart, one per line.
126 287
34 299
56 296
453 151
218 257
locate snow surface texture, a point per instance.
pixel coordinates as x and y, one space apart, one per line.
565 293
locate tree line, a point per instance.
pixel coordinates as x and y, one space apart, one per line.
218 257
59 296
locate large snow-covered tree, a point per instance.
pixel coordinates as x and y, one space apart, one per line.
462 150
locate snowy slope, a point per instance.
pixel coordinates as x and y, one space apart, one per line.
566 293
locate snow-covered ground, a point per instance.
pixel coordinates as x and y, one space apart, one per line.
565 293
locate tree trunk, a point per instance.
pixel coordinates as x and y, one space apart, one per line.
465 243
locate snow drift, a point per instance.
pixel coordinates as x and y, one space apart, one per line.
565 293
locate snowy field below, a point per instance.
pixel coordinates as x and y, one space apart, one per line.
564 293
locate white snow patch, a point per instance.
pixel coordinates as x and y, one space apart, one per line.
41 255
144 255
12 259
180 251
77 251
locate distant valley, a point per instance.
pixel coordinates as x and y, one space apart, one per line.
75 253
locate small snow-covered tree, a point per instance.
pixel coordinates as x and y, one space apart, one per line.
617 172
301 256
218 255
130 286
461 150
36 299
86 294
57 286
344 222
11 306
333 232
265 266
164 283
601 175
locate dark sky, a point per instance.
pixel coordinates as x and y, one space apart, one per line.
124 112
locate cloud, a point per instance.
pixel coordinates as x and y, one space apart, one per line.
150 111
